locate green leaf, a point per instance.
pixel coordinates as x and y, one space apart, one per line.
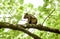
30 5
21 1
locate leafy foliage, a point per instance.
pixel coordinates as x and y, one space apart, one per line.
15 10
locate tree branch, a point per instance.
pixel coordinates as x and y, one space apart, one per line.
48 16
43 28
20 28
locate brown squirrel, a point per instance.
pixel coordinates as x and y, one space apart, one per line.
31 19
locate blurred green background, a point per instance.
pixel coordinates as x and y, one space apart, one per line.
11 11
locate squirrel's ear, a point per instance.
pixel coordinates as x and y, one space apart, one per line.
26 13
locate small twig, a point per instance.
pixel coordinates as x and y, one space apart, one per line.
48 15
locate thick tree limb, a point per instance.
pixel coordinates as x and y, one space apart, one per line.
44 28
15 27
22 28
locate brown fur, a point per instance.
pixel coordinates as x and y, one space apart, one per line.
31 19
